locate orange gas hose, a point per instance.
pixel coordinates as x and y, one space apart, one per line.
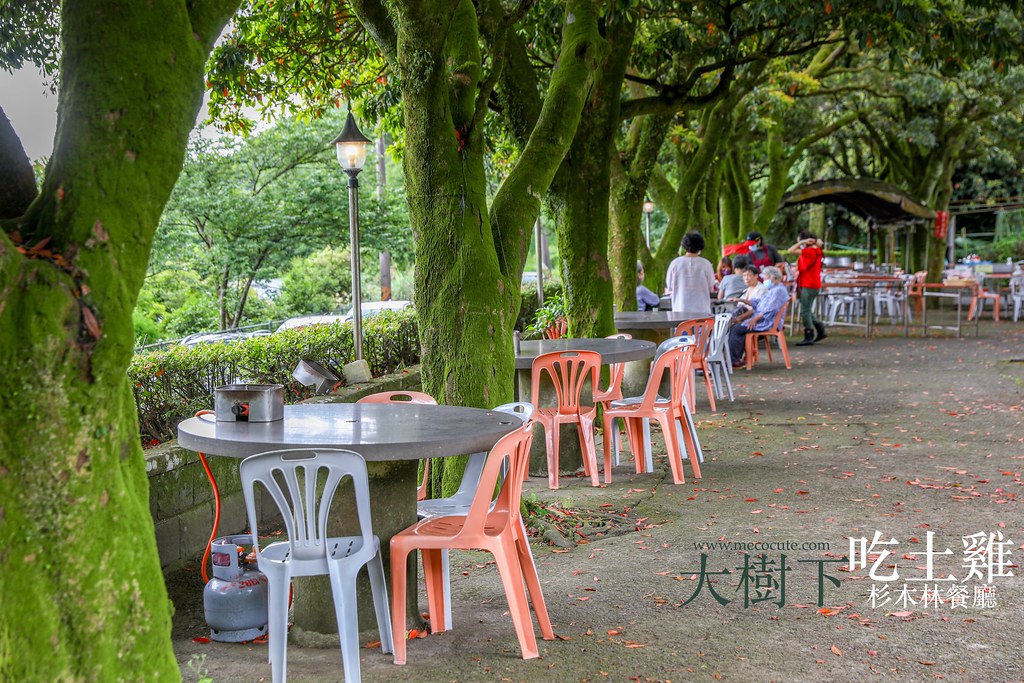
216 508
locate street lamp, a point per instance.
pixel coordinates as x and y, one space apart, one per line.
648 209
351 147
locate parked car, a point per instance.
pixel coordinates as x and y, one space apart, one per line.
369 309
372 308
220 337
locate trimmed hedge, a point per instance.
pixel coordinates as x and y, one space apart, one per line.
173 385
528 306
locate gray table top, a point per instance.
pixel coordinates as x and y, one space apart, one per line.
654 320
611 350
377 431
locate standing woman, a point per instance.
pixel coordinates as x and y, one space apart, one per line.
690 278
808 283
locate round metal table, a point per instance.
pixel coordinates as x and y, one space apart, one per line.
392 438
611 350
654 320
379 432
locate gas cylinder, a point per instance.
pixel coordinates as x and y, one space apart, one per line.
235 599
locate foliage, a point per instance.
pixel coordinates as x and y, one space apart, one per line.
29 32
172 385
252 209
547 315
318 283
528 305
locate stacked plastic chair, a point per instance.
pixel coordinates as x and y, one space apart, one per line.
701 330
493 525
719 360
459 502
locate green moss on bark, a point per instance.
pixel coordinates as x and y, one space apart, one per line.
83 596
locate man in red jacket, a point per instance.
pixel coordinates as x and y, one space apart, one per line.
808 283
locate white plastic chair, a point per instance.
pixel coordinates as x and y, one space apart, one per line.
1017 295
458 503
719 360
302 484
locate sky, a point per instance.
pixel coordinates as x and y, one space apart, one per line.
31 108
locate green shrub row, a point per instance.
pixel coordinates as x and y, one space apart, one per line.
172 385
528 307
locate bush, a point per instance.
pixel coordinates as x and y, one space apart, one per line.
173 385
528 306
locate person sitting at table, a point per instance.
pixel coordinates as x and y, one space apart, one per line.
690 278
755 290
724 268
766 309
732 286
646 300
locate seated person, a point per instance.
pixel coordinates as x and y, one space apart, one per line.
724 268
745 303
732 286
646 300
776 296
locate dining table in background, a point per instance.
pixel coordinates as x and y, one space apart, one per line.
629 351
653 326
392 438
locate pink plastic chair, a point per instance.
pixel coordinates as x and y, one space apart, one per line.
615 374
701 329
568 371
613 392
406 397
677 362
496 528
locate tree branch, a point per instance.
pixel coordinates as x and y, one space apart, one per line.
17 182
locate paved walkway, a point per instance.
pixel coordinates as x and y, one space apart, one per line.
914 439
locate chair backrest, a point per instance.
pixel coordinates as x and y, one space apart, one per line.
671 343
568 371
399 397
780 317
615 373
514 448
302 484
521 409
678 363
557 329
475 463
700 329
916 286
1016 286
719 335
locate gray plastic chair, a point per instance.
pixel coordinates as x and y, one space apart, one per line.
302 484
719 359
458 503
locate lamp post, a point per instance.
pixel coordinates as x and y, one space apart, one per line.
648 208
351 147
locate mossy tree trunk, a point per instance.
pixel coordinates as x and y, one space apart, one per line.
83 596
470 257
582 191
687 207
631 174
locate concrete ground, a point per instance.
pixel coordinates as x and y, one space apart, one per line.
920 440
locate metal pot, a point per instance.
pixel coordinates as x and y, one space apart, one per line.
844 262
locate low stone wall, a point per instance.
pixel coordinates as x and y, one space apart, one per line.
180 497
